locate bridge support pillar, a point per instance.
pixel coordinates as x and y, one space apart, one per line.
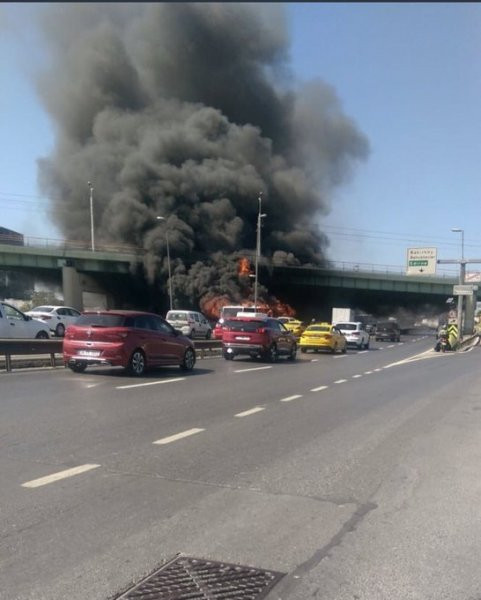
72 288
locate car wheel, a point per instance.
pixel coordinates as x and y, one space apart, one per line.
271 354
60 330
333 350
228 355
344 350
78 367
367 345
137 363
42 335
188 361
303 350
293 352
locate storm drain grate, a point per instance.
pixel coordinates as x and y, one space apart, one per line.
186 578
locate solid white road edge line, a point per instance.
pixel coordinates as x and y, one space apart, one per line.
289 398
251 411
252 369
178 436
58 476
320 388
136 385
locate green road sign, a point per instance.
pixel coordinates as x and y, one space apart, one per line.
418 263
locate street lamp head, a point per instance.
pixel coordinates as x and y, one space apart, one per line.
160 218
90 185
457 230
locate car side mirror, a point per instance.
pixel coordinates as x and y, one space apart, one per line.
177 332
28 318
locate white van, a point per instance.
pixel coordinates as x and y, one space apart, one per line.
233 311
192 324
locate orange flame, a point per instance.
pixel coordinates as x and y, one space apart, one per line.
211 306
244 267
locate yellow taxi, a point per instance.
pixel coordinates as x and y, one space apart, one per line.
322 336
293 325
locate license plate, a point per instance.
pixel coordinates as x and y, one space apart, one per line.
243 338
89 352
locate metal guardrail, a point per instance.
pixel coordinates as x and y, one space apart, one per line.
9 348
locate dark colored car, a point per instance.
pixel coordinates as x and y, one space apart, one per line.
389 330
258 337
131 339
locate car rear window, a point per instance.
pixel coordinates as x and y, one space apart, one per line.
322 328
244 325
96 320
178 316
387 325
347 326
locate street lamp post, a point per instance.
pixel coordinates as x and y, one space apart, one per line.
168 260
92 236
462 272
260 216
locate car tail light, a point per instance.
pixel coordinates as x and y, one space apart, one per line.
328 336
45 318
355 333
261 330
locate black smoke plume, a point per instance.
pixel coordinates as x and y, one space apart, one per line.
188 111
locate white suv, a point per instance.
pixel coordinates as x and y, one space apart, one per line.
192 324
355 333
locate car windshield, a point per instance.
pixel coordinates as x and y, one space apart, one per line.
43 309
347 326
99 320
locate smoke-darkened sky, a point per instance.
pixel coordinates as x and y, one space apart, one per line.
188 111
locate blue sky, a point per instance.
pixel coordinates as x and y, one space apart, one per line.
409 75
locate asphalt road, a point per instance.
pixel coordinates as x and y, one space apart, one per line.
356 475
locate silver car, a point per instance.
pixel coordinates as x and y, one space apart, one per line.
191 323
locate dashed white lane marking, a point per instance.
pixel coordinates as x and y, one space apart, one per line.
356 376
136 385
92 385
289 398
341 381
251 369
363 352
391 346
57 476
251 411
367 372
401 343
320 388
314 359
341 356
178 436
381 348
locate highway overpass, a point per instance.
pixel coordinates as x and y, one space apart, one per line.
119 272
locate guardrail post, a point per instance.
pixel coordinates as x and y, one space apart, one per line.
52 360
8 362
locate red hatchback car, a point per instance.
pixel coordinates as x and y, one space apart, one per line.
123 338
259 337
